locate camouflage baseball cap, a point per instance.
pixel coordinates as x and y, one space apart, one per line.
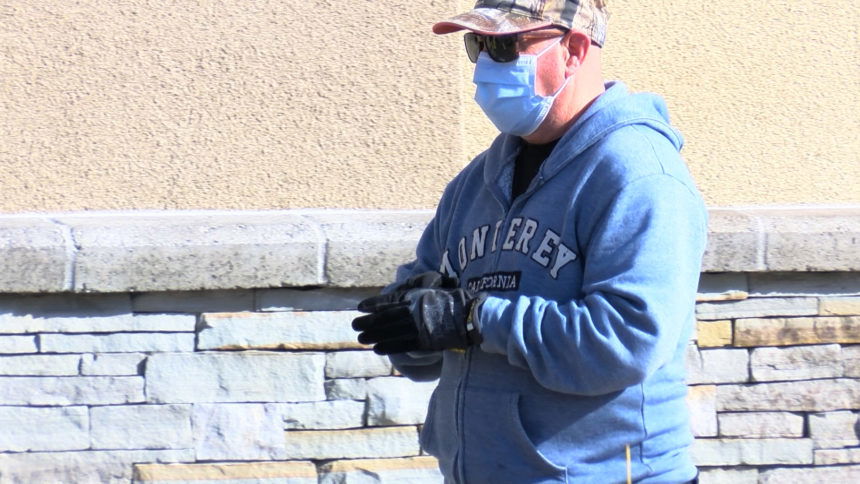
499 17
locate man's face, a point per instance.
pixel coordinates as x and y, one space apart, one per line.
516 92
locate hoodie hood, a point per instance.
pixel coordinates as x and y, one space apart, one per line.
616 108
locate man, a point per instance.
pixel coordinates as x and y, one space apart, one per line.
553 293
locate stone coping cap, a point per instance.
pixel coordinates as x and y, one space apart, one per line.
140 251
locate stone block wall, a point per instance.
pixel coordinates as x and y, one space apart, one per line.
217 347
774 375
259 386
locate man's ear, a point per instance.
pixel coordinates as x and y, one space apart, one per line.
577 44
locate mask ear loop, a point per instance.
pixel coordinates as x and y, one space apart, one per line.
552 96
550 46
567 79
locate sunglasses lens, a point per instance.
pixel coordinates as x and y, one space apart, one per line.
473 46
502 48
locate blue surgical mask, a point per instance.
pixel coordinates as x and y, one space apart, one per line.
506 92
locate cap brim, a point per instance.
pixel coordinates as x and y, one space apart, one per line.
489 21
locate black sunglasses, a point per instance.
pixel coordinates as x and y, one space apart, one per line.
500 48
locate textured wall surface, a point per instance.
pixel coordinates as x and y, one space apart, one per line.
140 357
223 104
277 104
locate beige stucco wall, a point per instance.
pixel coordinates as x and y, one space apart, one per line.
287 103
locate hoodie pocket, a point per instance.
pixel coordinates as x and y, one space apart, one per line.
528 447
497 447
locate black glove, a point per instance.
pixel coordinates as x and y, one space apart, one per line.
422 319
425 279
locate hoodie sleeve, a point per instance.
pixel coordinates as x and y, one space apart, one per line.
642 261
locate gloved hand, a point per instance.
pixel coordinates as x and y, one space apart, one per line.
434 318
425 279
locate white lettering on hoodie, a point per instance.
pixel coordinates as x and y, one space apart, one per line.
551 253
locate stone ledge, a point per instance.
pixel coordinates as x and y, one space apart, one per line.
212 250
787 239
188 252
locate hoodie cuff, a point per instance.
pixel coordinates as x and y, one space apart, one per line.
494 328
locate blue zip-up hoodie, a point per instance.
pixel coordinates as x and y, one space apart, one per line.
591 276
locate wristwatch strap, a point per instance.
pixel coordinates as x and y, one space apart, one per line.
473 320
